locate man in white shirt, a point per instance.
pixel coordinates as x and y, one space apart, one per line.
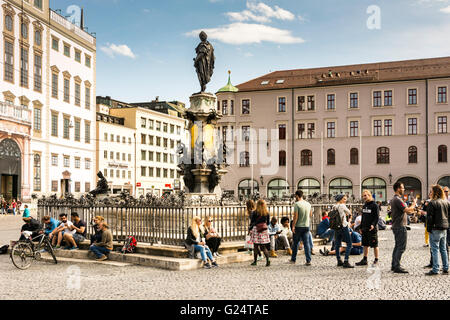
64 227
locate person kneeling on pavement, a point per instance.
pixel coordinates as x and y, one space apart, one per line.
357 248
105 245
73 240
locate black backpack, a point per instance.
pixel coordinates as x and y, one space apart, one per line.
4 249
335 219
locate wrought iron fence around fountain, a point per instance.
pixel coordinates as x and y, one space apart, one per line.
168 225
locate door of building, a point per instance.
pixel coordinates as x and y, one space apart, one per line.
10 169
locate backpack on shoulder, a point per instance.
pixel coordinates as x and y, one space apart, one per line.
335 219
129 246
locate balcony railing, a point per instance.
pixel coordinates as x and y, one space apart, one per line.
20 114
71 27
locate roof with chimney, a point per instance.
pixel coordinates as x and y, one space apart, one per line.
418 69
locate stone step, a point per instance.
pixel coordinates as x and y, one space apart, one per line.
168 263
48 258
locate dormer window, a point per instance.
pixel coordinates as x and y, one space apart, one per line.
265 82
280 82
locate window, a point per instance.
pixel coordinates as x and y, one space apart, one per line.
38 38
87 132
165 173
54 124
331 129
158 172
37 72
377 98
158 125
377 128
143 171
231 107
54 185
143 138
244 159
165 142
224 107
354 100
9 61
382 155
442 153
282 132
24 30
412 154
150 172
311 130
150 140
77 94
66 161
412 126
158 141
38 4
77 186
282 104
245 133
87 97
8 22
37 119
66 133
37 172
150 124
282 158
246 106
77 55
164 127
331 102
331 157
143 123
66 90
105 154
77 130
124 140
158 157
24 67
306 158
388 127
311 103
87 61
388 98
111 155
172 129
442 124
66 50
77 163
354 128
55 85
118 139
178 130
54 160
87 186
354 156
143 155
412 96
442 95
55 44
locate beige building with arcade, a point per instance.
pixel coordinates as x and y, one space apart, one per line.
341 129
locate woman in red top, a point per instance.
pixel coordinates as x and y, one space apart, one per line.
13 206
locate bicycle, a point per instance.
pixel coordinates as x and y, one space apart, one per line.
25 251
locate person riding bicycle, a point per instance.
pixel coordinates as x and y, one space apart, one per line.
32 225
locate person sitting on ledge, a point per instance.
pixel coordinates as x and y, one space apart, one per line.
105 245
213 239
196 238
286 232
73 240
323 229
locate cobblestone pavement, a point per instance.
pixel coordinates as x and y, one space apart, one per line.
280 281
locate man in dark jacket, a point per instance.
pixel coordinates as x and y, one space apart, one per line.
369 229
32 225
437 225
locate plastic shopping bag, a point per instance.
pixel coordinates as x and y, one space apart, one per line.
248 242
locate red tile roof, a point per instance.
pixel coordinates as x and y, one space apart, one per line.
352 74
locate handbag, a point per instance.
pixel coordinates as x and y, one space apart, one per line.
260 227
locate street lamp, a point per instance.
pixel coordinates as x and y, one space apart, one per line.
390 178
261 179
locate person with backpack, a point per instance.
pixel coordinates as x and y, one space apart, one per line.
437 225
300 229
259 231
339 223
369 227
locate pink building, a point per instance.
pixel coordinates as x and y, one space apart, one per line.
341 129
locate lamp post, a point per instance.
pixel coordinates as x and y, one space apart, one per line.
390 178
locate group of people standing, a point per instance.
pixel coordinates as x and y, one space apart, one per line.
12 207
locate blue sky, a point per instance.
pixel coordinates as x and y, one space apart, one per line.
145 47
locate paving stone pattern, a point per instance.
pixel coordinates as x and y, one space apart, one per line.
321 281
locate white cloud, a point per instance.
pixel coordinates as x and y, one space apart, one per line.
445 10
247 33
122 50
261 12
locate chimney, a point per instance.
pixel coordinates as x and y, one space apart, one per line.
82 19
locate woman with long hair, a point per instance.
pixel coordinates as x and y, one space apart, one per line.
437 225
196 237
213 238
259 231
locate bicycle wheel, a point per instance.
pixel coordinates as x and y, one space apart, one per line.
22 255
49 248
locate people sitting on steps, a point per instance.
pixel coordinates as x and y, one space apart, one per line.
103 247
196 238
213 239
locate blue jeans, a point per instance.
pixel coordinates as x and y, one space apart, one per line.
99 251
439 244
302 234
310 238
329 235
204 251
343 235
